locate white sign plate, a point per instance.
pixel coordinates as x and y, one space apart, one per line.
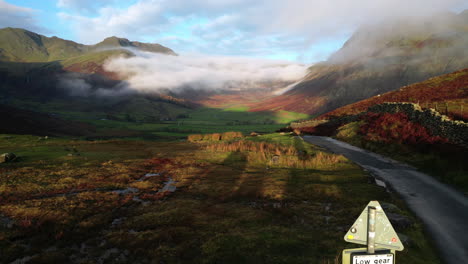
373 259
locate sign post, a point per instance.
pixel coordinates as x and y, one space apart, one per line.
372 228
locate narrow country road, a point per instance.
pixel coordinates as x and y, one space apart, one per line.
443 210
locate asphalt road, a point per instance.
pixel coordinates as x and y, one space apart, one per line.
442 209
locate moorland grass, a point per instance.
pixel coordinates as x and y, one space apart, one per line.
229 206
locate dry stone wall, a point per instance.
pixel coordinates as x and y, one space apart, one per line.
438 125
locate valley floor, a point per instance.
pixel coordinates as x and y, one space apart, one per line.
265 199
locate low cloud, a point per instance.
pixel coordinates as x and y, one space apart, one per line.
83 85
75 85
149 72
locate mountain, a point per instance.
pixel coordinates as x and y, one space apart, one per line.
377 59
113 42
21 45
32 49
53 75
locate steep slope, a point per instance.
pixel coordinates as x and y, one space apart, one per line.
378 59
447 93
93 62
25 46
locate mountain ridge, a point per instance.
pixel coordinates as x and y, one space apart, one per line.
21 45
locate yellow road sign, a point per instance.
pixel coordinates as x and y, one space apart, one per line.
385 235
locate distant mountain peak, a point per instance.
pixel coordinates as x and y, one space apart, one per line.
115 41
112 42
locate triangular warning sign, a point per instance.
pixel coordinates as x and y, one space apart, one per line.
385 235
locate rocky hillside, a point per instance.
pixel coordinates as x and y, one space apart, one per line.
378 59
446 93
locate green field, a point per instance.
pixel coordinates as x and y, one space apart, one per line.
140 117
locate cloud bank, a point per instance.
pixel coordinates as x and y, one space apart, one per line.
243 27
301 30
150 72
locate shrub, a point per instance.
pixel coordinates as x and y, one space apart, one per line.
195 137
232 135
215 136
287 156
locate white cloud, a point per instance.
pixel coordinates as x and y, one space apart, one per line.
86 6
141 18
155 72
244 26
16 16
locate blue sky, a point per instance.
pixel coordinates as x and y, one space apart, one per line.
298 30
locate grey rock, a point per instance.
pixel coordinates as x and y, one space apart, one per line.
7 157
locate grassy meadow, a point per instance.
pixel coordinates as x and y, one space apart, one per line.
264 199
149 119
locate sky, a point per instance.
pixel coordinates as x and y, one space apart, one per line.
304 31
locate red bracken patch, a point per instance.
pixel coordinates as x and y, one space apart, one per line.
446 93
396 128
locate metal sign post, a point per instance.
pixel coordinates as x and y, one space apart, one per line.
372 228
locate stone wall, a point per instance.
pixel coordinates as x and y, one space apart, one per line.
308 123
439 125
336 120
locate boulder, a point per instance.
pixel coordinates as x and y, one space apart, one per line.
7 157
